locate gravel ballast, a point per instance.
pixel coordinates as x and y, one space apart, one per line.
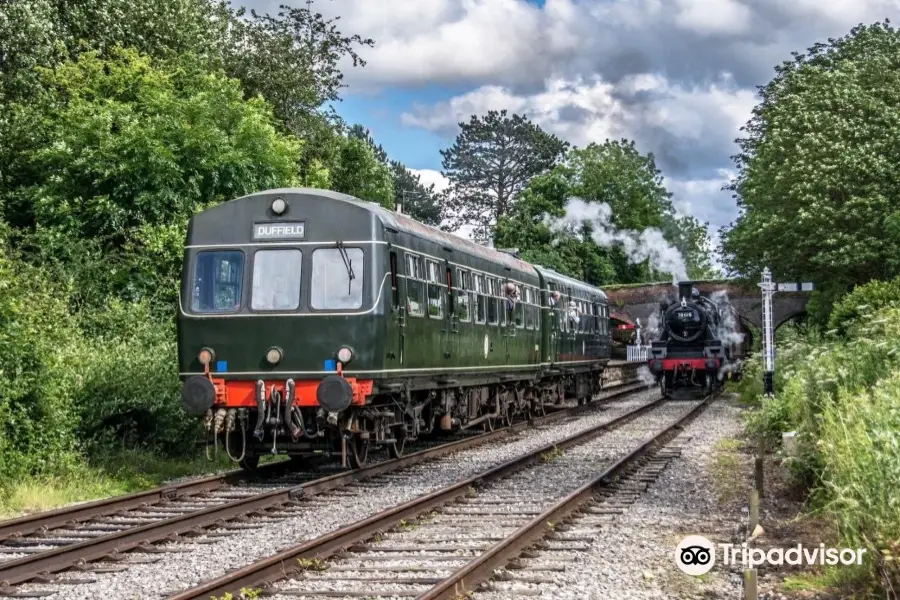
632 556
464 528
206 557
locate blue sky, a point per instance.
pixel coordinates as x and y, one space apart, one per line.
677 76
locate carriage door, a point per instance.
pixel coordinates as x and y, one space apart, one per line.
398 311
553 324
451 338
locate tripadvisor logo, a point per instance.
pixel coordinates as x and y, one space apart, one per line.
696 555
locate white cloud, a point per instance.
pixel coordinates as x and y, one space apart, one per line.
711 17
430 176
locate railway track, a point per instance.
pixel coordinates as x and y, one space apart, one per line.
92 537
446 542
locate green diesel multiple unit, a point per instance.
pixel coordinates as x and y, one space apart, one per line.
311 321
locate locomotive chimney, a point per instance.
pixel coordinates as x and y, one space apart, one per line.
684 290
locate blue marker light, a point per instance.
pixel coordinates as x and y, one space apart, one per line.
222 366
331 365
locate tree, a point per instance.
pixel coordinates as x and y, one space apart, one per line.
617 174
490 163
291 59
119 153
419 201
360 173
570 251
817 182
691 237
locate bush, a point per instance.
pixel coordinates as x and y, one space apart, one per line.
862 303
73 388
842 396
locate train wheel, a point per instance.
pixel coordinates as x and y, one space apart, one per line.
358 452
395 449
250 462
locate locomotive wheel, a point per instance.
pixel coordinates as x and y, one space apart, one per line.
250 462
357 452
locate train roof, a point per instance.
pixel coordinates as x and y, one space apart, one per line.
402 223
571 281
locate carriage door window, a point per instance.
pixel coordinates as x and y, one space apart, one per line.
218 278
493 303
480 300
435 290
529 314
463 283
520 308
395 287
414 286
336 281
276 280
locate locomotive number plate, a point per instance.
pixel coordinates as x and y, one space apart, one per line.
685 314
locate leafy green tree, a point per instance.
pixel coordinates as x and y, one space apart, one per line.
360 173
570 251
817 171
419 201
491 161
291 59
629 182
122 151
691 237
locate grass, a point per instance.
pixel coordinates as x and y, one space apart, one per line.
122 473
728 472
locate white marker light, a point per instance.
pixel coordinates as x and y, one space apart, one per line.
279 206
345 354
273 356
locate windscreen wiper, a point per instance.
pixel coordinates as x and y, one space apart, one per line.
347 263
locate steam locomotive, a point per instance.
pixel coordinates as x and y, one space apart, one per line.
695 350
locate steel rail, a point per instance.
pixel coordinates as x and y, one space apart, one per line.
284 563
80 513
21 570
467 577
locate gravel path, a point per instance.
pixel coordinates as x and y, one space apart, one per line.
632 557
207 557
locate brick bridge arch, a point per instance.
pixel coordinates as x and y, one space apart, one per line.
630 302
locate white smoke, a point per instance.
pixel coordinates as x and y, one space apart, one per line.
648 244
652 328
728 322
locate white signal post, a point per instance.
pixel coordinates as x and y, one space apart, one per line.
769 288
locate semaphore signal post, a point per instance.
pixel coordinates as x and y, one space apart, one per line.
769 288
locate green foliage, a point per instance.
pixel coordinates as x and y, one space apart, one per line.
842 396
863 303
359 173
123 151
571 253
616 174
419 202
491 161
817 168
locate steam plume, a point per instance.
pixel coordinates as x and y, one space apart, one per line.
637 246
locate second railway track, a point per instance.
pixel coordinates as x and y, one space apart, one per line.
75 538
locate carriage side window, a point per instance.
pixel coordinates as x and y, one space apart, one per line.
529 315
463 284
276 280
414 286
493 303
480 300
435 290
218 279
337 279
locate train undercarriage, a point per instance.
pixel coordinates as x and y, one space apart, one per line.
390 421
